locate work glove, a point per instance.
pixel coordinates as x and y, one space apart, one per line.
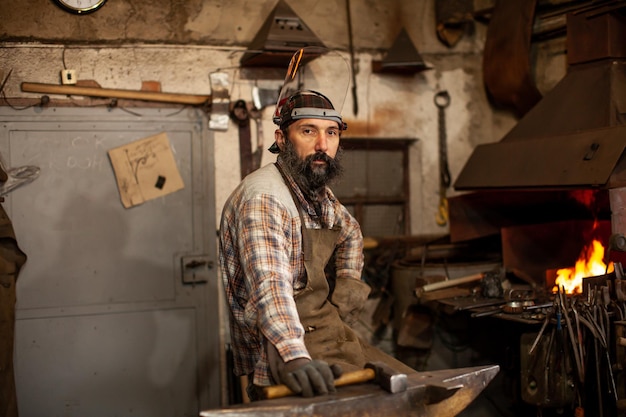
310 377
303 376
349 296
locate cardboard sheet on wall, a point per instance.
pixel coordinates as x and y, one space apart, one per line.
145 169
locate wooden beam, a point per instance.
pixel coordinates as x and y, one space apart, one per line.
70 90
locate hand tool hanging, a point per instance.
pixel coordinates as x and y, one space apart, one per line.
257 155
442 100
261 97
573 337
239 114
355 103
220 101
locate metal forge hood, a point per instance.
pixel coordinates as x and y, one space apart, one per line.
282 34
575 136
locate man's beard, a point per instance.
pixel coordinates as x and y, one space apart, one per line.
311 177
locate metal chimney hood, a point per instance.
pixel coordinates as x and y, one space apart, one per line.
402 58
282 34
575 137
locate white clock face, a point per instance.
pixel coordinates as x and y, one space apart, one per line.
81 6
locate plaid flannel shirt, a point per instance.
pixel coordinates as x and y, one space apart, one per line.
261 267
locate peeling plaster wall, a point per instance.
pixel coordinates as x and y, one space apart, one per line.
179 43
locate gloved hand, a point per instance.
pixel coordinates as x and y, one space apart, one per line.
349 296
303 376
310 378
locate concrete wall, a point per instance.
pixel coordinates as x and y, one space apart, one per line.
179 43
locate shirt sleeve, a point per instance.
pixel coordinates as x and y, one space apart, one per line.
349 258
266 244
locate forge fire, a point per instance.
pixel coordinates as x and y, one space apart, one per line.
589 264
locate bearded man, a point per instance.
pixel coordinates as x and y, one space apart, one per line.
291 257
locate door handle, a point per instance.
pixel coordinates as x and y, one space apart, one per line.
195 269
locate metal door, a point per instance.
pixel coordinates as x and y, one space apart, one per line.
117 309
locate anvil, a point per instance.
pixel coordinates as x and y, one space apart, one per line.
443 393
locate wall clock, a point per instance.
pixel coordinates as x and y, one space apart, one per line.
80 6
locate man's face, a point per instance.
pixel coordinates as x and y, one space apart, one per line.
309 136
311 150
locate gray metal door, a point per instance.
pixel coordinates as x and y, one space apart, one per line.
117 309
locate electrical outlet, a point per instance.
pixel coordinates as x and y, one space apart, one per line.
68 76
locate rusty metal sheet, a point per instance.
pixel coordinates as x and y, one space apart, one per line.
442 393
590 96
580 159
569 118
484 213
596 33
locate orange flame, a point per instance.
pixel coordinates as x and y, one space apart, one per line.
589 264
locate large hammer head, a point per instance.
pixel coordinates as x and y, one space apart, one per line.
387 377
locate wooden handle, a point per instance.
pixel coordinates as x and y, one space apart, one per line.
451 282
114 93
356 377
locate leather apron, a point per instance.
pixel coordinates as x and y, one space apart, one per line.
327 337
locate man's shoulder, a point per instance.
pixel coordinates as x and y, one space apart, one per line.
266 182
266 175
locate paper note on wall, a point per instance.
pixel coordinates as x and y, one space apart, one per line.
145 169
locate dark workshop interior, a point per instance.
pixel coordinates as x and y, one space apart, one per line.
484 160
